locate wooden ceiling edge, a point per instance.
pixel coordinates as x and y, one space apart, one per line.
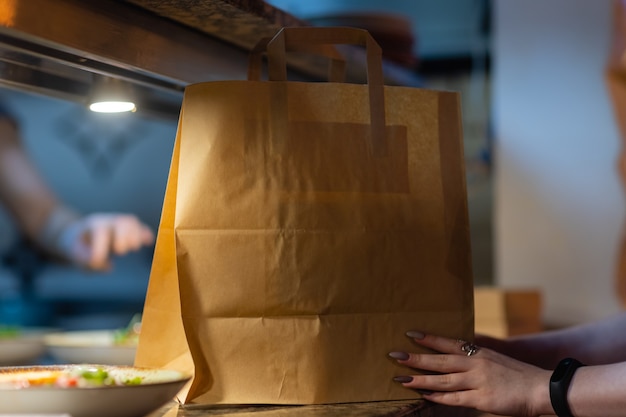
267 20
242 23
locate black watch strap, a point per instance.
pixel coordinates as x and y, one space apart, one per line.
559 385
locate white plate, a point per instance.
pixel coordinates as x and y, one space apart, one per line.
157 389
23 349
89 346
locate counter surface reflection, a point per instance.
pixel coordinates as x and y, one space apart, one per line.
410 408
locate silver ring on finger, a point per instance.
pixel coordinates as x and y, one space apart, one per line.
469 348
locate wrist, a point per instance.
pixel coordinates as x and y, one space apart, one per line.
52 237
559 386
539 395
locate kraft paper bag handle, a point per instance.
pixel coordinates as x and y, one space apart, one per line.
336 69
291 38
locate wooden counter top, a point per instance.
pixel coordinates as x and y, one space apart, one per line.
411 408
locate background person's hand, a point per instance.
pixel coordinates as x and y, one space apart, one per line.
91 240
486 380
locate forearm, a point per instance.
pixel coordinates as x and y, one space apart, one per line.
22 190
598 391
40 216
595 343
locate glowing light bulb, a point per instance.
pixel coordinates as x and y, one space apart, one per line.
113 106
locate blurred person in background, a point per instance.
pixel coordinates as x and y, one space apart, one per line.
58 231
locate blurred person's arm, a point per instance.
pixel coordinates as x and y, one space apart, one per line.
596 343
87 241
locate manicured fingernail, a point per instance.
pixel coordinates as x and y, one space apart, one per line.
399 355
424 391
415 335
403 379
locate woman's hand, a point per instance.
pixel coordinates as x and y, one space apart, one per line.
463 374
92 240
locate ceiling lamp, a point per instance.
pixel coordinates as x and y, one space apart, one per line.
111 95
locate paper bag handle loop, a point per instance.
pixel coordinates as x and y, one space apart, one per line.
291 38
336 69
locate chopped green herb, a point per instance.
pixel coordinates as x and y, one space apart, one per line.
96 376
133 381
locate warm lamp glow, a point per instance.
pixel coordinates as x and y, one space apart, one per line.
112 106
111 95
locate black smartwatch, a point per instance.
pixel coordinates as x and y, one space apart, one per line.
559 384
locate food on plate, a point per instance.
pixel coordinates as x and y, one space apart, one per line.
90 346
20 345
9 332
105 347
87 390
129 336
78 377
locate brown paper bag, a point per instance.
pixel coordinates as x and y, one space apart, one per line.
306 227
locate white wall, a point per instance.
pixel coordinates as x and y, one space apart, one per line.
558 201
